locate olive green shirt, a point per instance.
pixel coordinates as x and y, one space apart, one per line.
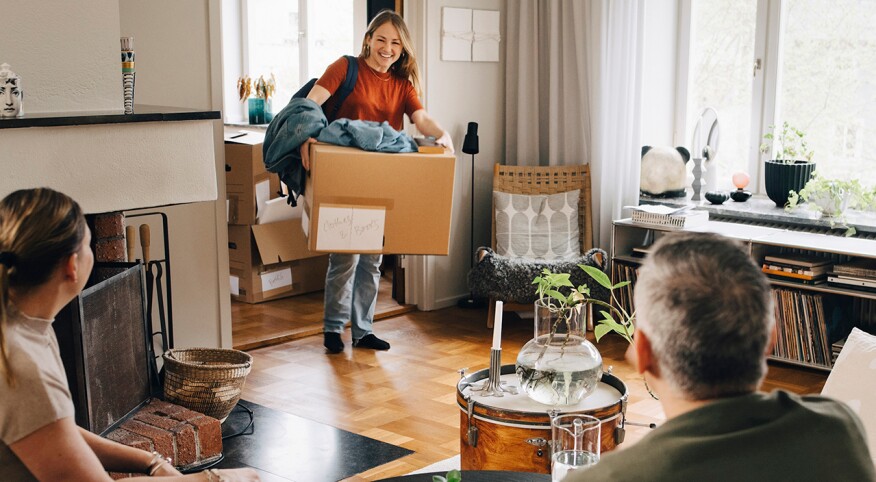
768 437
40 395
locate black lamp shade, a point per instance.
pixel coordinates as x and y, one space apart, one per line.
470 144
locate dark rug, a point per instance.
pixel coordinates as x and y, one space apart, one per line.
285 447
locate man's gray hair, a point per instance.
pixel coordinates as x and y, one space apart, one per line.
708 312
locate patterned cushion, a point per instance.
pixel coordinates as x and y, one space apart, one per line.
540 226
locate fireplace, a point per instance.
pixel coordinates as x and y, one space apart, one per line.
103 337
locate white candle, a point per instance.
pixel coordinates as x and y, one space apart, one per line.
497 327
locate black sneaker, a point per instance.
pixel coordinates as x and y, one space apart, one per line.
332 342
371 341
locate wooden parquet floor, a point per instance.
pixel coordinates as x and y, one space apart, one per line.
406 396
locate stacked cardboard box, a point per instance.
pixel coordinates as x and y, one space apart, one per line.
267 260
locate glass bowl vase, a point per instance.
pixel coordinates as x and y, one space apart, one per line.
558 366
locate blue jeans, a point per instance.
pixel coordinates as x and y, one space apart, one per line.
351 292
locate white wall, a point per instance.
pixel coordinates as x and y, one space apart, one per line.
659 73
67 54
457 93
171 41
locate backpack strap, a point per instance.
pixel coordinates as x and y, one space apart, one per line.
346 87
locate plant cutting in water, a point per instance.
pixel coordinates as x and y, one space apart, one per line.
559 366
614 318
556 293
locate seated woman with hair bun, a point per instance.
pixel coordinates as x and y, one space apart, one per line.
45 260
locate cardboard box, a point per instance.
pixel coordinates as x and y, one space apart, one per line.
271 261
247 183
372 202
279 281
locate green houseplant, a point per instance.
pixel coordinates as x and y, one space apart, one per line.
790 165
614 318
452 476
831 197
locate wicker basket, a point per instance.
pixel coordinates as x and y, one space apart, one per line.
206 380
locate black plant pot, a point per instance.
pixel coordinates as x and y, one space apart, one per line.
781 178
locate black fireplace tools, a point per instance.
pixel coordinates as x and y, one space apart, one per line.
158 282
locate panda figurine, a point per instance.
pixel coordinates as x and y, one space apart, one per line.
664 171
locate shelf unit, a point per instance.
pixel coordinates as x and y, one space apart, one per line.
824 313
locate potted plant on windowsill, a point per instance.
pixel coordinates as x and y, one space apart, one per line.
831 197
791 164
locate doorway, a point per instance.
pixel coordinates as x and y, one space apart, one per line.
278 321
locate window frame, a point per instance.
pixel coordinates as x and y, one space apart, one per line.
240 61
765 102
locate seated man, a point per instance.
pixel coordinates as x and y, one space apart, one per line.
705 326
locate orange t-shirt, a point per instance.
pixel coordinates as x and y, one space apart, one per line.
376 96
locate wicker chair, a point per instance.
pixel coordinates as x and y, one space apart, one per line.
544 180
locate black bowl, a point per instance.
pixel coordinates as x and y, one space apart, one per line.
740 196
717 197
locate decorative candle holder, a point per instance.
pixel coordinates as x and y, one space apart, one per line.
128 73
740 180
698 181
492 386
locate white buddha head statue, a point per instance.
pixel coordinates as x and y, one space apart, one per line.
10 92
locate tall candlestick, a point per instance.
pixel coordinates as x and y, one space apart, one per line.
497 327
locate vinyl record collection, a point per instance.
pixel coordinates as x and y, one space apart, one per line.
801 327
622 271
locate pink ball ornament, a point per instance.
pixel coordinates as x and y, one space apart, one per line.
741 179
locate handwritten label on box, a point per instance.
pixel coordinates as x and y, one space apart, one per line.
235 285
350 228
276 279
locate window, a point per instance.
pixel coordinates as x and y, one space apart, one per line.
808 62
295 40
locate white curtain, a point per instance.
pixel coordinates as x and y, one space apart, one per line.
573 87
547 110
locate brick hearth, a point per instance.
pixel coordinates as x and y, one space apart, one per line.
189 438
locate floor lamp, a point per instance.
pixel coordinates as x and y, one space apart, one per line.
470 146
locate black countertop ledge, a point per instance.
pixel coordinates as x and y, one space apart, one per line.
142 113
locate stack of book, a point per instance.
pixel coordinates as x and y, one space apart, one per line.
797 268
856 274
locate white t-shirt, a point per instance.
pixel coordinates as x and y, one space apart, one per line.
40 396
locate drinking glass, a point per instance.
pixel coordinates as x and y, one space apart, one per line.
575 441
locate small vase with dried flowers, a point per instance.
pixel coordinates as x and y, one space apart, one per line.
260 106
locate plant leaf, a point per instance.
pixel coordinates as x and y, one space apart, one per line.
438 478
597 275
557 296
601 330
454 476
620 285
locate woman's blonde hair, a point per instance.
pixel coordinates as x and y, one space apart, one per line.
406 66
39 229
